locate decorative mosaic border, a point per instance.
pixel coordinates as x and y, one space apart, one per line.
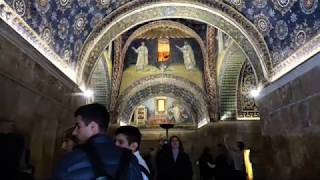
116 72
9 16
225 18
246 105
301 55
211 79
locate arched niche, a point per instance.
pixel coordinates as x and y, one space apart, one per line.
162 85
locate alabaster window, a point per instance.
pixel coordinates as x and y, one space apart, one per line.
163 50
161 105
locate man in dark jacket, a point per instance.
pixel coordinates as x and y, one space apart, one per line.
96 157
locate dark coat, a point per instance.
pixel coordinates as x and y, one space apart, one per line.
76 165
205 170
224 167
168 169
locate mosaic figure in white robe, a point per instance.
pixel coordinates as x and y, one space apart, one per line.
142 59
188 56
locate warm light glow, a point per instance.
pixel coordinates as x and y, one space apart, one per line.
202 123
161 105
163 50
256 92
225 116
123 123
82 88
248 118
247 163
88 93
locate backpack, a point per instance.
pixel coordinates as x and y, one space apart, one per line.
101 174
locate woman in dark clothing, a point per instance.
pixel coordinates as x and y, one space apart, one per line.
173 162
205 160
15 158
224 166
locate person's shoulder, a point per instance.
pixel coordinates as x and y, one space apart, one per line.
134 171
112 155
73 156
69 159
126 158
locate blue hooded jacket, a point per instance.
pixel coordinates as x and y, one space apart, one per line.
77 166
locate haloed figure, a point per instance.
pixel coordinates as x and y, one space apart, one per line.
175 163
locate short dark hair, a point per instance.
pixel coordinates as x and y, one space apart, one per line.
240 145
67 135
94 113
132 133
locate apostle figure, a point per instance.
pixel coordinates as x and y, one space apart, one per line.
142 58
188 56
176 113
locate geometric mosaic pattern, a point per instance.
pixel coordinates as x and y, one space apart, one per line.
285 24
65 24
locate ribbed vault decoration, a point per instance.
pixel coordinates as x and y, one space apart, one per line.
162 85
214 13
100 83
232 64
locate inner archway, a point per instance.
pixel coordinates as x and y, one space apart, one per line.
162 85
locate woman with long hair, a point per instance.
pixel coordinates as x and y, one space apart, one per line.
175 163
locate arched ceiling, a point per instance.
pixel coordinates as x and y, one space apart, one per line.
217 14
64 25
162 85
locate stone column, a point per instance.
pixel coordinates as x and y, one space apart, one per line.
210 72
116 77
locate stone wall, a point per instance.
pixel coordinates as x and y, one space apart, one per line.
35 103
290 114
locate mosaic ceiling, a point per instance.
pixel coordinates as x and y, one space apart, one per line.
285 24
65 24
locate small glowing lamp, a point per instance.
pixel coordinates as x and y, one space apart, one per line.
88 93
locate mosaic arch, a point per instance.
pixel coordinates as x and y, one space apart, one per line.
154 25
53 27
214 13
162 85
246 106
